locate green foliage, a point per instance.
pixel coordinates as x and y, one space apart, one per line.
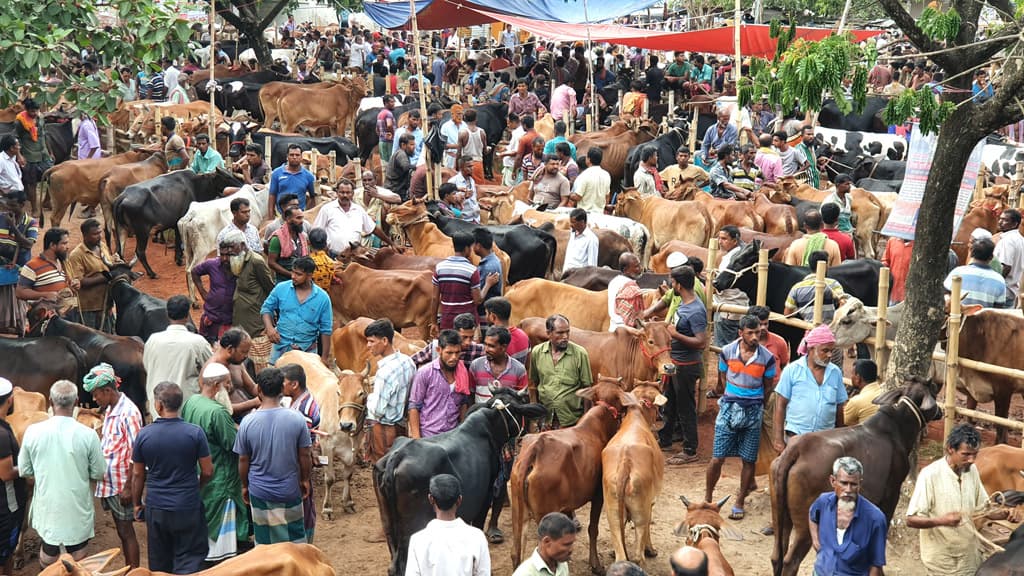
922 104
36 35
940 26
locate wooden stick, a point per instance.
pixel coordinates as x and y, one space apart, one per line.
882 324
762 277
266 150
819 292
709 291
332 178
952 354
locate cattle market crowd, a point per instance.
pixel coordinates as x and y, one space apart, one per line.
541 237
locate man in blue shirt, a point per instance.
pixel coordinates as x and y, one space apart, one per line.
689 337
847 530
292 178
303 312
981 284
164 461
489 267
810 394
549 146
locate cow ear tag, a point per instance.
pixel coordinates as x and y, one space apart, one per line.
660 400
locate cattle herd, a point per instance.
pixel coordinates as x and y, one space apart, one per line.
614 463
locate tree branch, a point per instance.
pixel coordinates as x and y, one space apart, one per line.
969 11
272 14
907 23
1004 8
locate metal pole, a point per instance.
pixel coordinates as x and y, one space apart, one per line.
819 292
883 312
212 129
762 277
424 120
952 354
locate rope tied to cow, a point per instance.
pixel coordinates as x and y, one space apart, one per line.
699 531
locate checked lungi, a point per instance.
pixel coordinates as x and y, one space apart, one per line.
275 522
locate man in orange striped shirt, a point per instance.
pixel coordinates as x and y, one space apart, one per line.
44 278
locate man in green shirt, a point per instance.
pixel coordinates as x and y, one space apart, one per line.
669 299
253 283
206 158
227 522
30 130
63 457
678 72
556 534
558 368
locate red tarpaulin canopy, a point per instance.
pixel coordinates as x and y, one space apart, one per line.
754 39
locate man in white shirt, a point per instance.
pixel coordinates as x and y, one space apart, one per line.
591 188
10 170
175 355
170 75
450 132
447 546
357 53
508 157
1010 252
556 534
583 243
346 222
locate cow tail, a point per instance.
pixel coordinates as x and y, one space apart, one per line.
552 256
621 484
791 224
781 520
648 250
80 358
43 192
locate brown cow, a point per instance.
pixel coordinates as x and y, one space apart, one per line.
271 93
539 297
349 346
703 527
545 126
117 178
616 354
778 218
616 146
385 258
26 401
282 559
560 470
1001 468
777 243
614 129
332 106
633 470
78 181
982 214
402 296
725 212
667 219
864 205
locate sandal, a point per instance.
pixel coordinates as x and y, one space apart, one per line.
737 514
681 458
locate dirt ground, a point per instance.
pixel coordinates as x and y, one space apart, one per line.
342 538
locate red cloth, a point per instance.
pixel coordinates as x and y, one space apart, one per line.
846 249
284 235
897 258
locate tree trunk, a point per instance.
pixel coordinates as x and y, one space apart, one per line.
258 44
919 330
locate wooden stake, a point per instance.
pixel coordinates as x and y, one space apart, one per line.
762 277
952 353
819 292
709 292
883 312
266 151
212 129
331 178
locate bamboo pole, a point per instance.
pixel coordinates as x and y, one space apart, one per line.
266 151
594 110
332 178
590 122
952 354
882 323
425 121
212 129
709 291
692 143
737 63
671 104
819 292
762 277
314 161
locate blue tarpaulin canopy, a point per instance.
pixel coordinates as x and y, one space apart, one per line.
437 14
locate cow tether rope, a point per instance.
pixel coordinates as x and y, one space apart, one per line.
913 408
698 531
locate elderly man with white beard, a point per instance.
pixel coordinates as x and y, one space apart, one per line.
239 394
847 530
227 523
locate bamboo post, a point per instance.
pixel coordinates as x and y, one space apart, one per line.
314 161
883 312
111 144
709 290
646 108
819 292
979 184
357 173
620 101
762 277
423 93
331 178
1015 185
212 129
266 151
590 122
952 354
693 132
156 123
431 195
738 62
671 104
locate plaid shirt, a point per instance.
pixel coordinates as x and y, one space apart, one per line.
467 355
121 426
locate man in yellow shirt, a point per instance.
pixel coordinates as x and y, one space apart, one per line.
682 174
865 379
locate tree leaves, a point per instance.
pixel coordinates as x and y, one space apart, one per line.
940 26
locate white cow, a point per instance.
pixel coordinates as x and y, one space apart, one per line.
204 220
372 102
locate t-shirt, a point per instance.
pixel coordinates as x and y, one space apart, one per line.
1010 251
844 241
385 125
171 448
691 319
284 182
456 277
550 190
792 160
271 438
13 489
488 265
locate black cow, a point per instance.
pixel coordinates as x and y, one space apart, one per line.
1008 562
879 169
138 314
162 201
531 252
122 352
666 144
876 185
857 277
343 148
596 278
242 92
869 120
366 126
237 133
59 135
36 363
472 452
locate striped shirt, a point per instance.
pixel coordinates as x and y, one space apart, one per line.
121 425
513 376
28 226
456 277
43 275
310 410
801 298
980 285
744 381
386 404
467 354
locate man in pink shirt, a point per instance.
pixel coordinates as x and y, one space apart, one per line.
563 101
768 161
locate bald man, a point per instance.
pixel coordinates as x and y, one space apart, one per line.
625 300
689 561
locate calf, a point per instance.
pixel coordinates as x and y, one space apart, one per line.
560 470
1001 468
703 527
667 219
36 363
402 296
633 469
342 402
884 444
349 346
138 313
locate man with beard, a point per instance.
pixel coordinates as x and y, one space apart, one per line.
947 494
346 222
625 301
30 129
303 313
847 531
292 178
806 147
218 301
745 370
287 244
87 263
253 283
241 215
240 394
550 186
227 523
810 394
558 368
440 391
496 368
44 277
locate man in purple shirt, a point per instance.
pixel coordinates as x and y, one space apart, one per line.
88 138
218 301
440 391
